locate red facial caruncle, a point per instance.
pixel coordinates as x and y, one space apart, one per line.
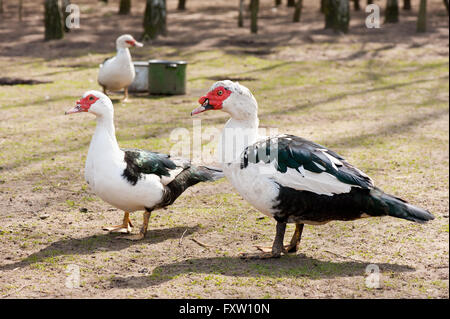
213 100
134 43
83 104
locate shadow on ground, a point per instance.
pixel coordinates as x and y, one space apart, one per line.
91 244
285 267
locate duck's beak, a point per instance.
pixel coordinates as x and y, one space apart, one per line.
198 110
75 109
205 106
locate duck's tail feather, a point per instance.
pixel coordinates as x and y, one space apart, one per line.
188 178
206 173
385 204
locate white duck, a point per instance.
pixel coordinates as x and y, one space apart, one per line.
290 178
118 72
132 179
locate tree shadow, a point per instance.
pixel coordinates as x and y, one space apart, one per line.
362 52
243 73
91 244
285 267
391 129
340 96
198 25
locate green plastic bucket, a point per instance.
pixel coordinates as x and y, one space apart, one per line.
167 77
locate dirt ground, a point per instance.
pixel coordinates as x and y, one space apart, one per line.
379 97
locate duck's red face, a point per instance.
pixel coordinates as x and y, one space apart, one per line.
134 43
84 104
213 100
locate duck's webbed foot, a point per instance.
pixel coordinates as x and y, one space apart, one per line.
277 247
118 229
264 249
143 230
124 228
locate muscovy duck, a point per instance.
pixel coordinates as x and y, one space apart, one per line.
290 178
133 179
118 72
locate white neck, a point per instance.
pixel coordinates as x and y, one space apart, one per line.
104 138
124 52
236 136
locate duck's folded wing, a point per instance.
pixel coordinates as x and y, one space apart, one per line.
106 61
140 162
295 162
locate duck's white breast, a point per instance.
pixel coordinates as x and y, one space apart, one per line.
106 181
116 73
253 185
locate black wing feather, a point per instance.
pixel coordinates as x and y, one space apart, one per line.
145 162
290 151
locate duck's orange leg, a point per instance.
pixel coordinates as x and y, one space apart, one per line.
125 99
143 231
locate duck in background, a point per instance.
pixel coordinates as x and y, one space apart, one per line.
118 72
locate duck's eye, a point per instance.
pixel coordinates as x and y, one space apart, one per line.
220 92
91 98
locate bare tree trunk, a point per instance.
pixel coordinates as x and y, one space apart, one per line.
105 1
391 14
154 19
328 11
291 3
343 16
369 1
446 5
422 18
277 3
356 5
337 15
52 20
241 14
298 10
181 5
65 14
1 6
20 9
124 6
407 5
254 7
